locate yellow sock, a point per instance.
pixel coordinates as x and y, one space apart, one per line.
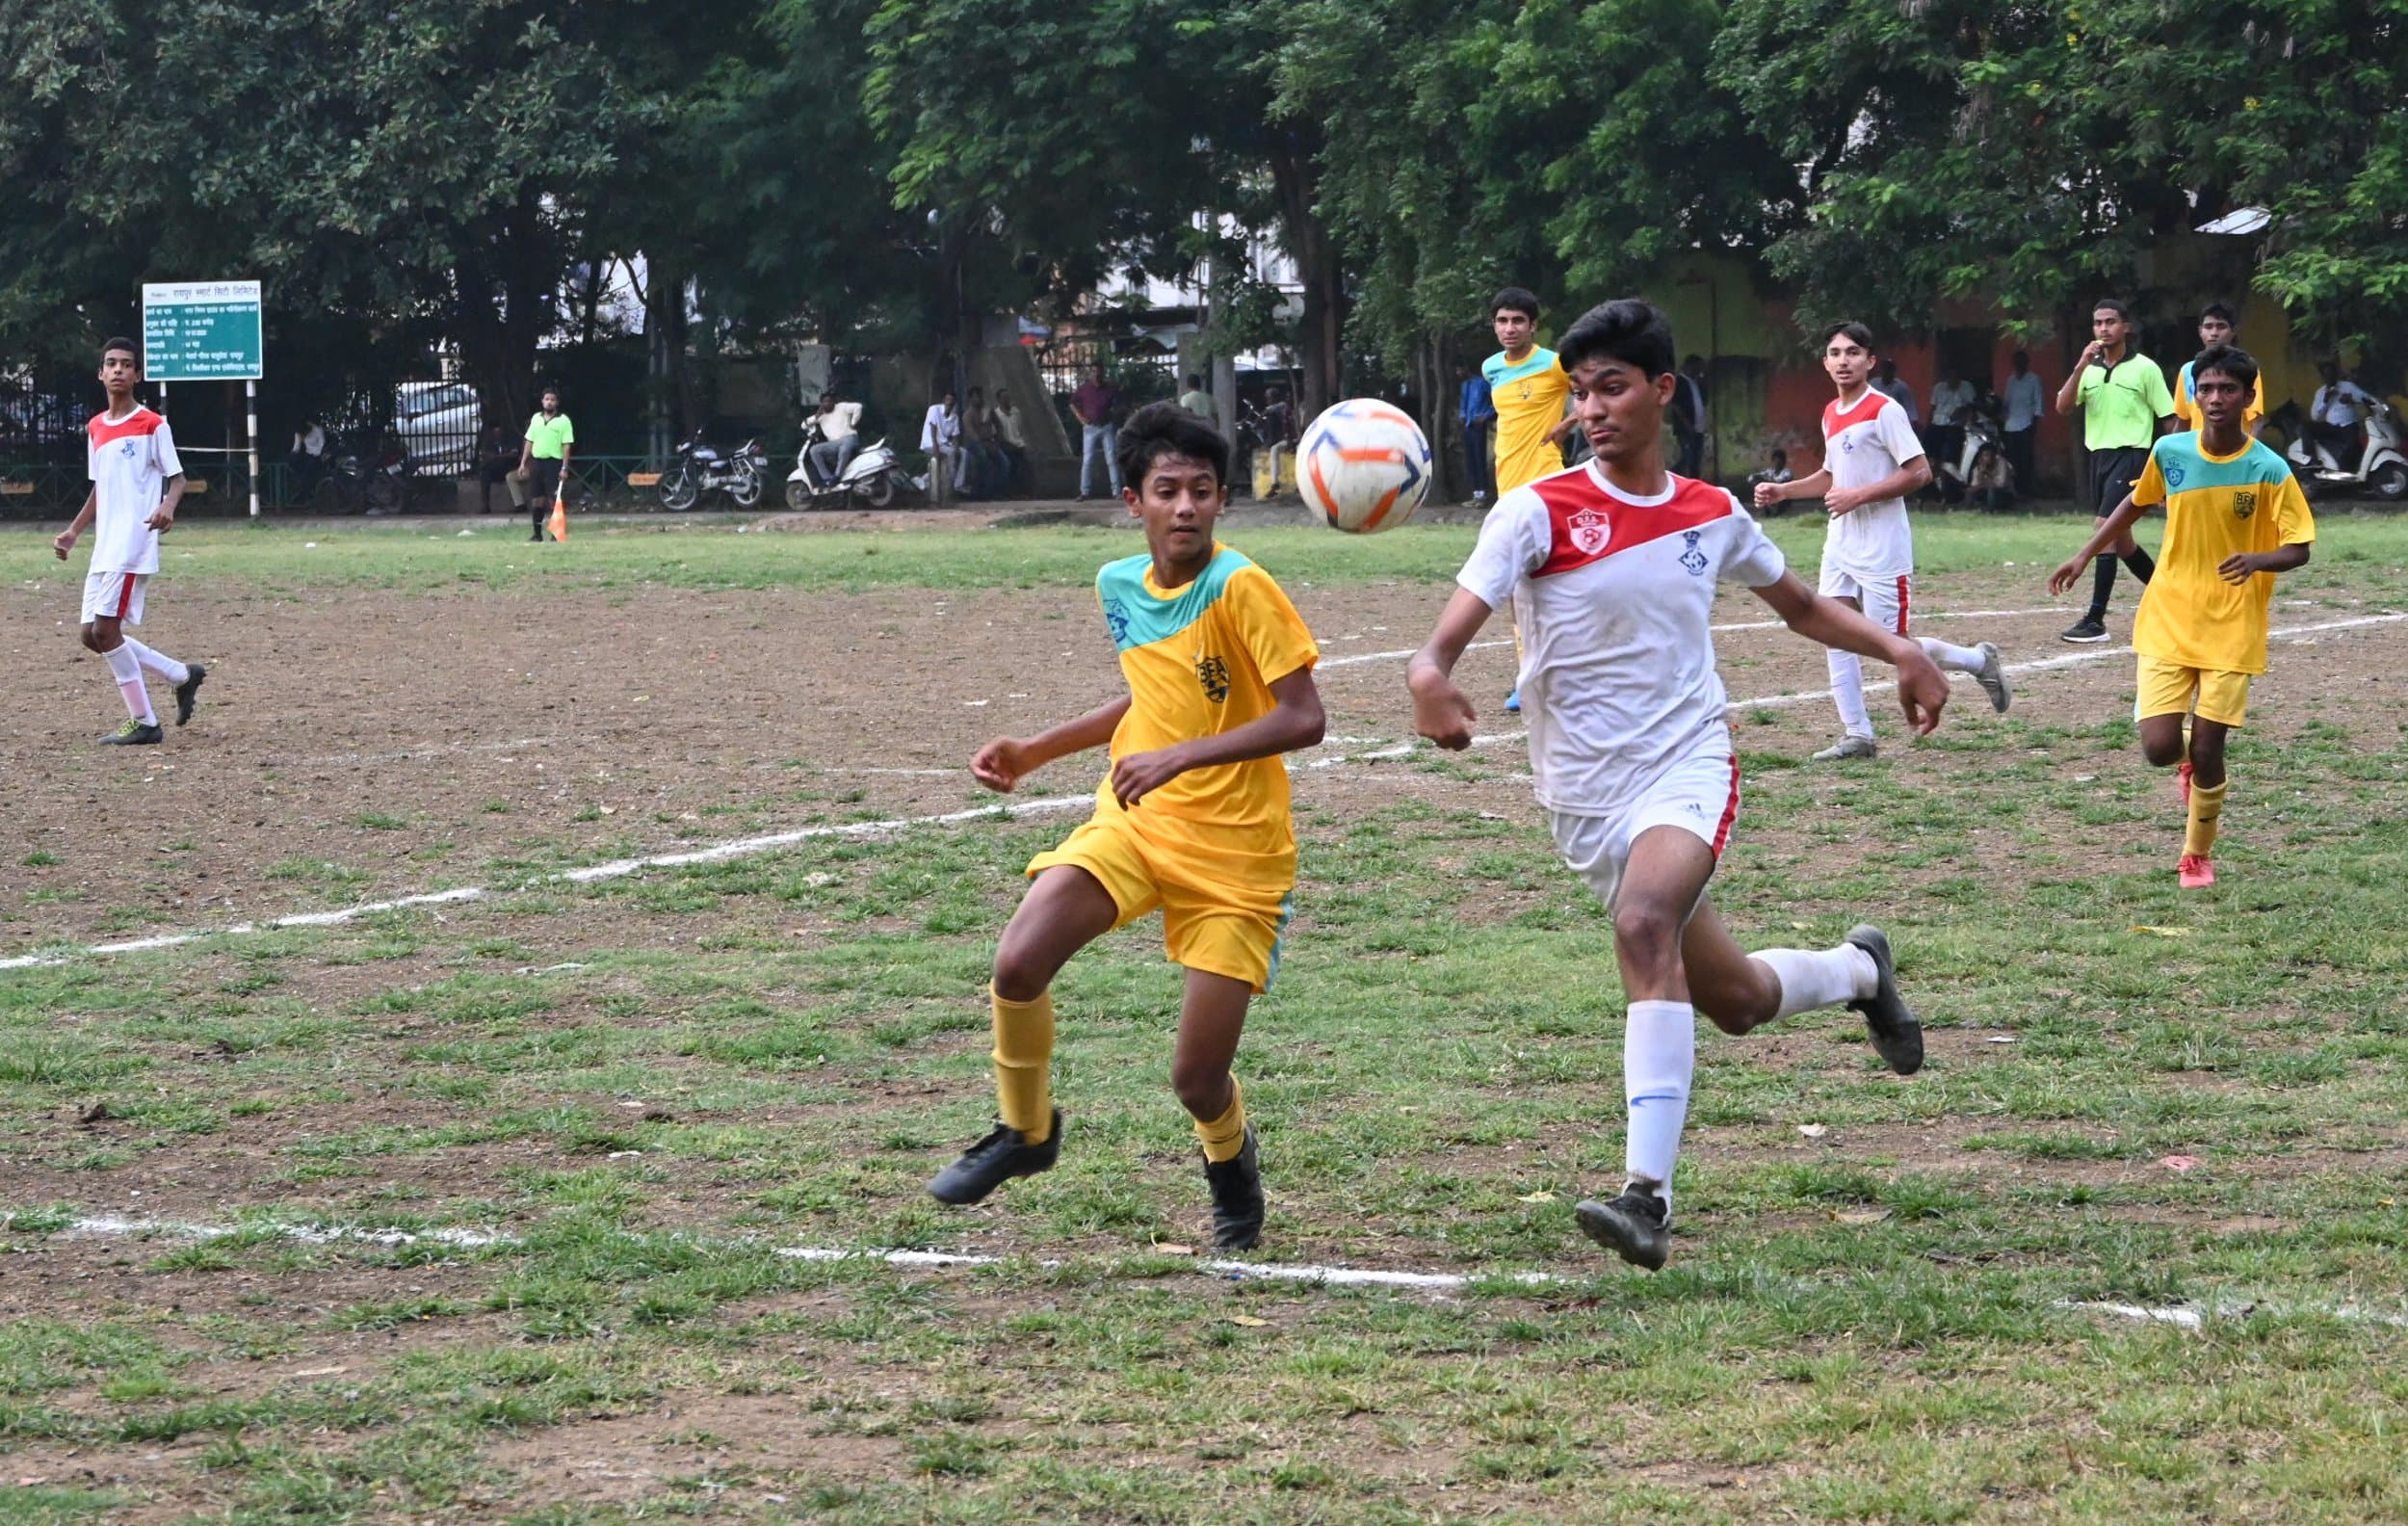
2207 814
1224 1136
1024 1050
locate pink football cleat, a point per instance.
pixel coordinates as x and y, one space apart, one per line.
2196 871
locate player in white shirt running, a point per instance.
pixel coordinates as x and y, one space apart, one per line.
1610 568
137 481
1871 461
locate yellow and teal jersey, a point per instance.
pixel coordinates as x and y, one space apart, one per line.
2186 405
1529 398
1200 661
2216 507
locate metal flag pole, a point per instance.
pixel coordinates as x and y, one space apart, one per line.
251 408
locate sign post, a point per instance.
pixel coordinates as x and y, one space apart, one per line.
206 331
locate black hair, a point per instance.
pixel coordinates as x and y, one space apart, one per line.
1195 383
2230 360
2113 305
1628 329
2024 355
2217 309
551 389
1165 429
125 343
1780 456
1514 299
1855 331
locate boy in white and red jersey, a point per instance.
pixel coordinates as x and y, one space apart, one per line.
1610 568
137 481
1871 461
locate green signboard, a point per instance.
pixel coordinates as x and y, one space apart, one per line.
200 330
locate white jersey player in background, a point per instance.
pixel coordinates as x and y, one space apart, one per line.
1871 461
136 481
1610 568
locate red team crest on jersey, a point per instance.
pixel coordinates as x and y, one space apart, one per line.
1590 530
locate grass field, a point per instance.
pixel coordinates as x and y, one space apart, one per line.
477 1211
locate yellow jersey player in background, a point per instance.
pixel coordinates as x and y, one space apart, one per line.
2216 328
1191 820
1529 391
2234 517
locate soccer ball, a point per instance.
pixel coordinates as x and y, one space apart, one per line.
1364 465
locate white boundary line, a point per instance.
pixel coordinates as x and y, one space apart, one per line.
1742 626
748 846
2185 1316
614 869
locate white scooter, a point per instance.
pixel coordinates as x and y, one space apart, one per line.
2382 467
869 480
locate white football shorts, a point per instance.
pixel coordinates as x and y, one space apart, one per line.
114 595
1699 795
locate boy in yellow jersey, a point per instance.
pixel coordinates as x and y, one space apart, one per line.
2216 329
2234 517
1528 390
1192 819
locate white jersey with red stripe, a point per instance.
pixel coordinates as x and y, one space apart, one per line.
129 461
1613 595
1863 443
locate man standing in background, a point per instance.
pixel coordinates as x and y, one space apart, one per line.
1200 403
1952 399
1476 411
543 458
1097 405
2023 398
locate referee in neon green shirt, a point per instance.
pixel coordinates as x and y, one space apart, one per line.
543 456
2124 406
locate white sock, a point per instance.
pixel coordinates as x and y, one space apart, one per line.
1960 659
130 683
1848 691
1811 978
158 662
1658 1055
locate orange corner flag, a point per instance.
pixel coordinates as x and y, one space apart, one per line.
558 525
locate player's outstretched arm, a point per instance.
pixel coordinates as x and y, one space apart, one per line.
1005 761
1440 712
2111 532
1294 721
65 540
1769 493
1922 691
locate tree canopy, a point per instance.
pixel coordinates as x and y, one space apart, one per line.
882 172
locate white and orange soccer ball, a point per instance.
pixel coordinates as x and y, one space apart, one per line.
1364 465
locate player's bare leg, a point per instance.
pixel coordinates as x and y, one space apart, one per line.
1211 1019
1661 883
1066 909
2201 757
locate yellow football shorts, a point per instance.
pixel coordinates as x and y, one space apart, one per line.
1205 927
2167 688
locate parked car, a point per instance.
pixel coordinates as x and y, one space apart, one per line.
438 423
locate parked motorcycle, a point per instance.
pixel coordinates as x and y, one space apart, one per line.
1983 429
2381 464
702 468
869 480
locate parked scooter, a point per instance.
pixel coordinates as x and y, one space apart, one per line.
869 480
2381 465
705 469
1982 429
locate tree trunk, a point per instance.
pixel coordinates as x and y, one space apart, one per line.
1324 281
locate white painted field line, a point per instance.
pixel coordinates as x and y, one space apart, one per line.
2185 1316
1744 626
614 869
1781 702
448 750
745 847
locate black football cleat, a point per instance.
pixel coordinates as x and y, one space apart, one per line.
1636 1226
187 693
1897 1036
993 1160
1237 1185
